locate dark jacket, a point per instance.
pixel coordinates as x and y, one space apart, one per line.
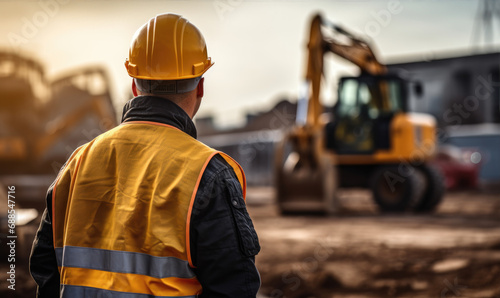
223 240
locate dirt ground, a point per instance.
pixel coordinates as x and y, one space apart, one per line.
360 253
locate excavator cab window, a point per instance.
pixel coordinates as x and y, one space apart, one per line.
364 110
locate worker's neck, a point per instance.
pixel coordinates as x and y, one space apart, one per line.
187 102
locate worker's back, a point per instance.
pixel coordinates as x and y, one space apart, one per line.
120 210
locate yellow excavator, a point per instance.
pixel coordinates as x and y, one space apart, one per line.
372 140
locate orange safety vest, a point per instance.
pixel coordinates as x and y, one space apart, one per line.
121 210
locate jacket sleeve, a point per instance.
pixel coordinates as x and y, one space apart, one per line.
222 237
43 263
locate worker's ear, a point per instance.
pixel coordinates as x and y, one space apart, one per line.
200 90
134 88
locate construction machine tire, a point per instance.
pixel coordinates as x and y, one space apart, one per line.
300 189
434 190
394 192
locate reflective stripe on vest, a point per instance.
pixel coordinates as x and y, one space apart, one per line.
121 213
85 292
123 262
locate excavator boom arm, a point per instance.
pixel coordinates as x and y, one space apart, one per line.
345 45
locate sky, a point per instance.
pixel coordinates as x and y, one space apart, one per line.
258 46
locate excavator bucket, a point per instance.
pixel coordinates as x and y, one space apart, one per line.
305 183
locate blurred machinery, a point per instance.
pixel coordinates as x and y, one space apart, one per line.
42 122
372 142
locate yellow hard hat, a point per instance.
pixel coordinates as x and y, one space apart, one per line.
168 47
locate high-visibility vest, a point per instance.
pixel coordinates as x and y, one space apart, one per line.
121 210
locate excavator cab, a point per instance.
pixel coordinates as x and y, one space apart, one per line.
364 110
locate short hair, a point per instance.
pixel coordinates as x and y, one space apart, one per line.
162 87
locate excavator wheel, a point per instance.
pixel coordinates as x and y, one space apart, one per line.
394 192
434 191
302 189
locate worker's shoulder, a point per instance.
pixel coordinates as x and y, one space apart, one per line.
218 164
219 167
78 152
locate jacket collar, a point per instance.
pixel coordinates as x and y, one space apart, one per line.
157 109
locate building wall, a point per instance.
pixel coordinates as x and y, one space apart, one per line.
459 90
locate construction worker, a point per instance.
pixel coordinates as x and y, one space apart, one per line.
146 210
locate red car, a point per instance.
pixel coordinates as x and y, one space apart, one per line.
460 167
